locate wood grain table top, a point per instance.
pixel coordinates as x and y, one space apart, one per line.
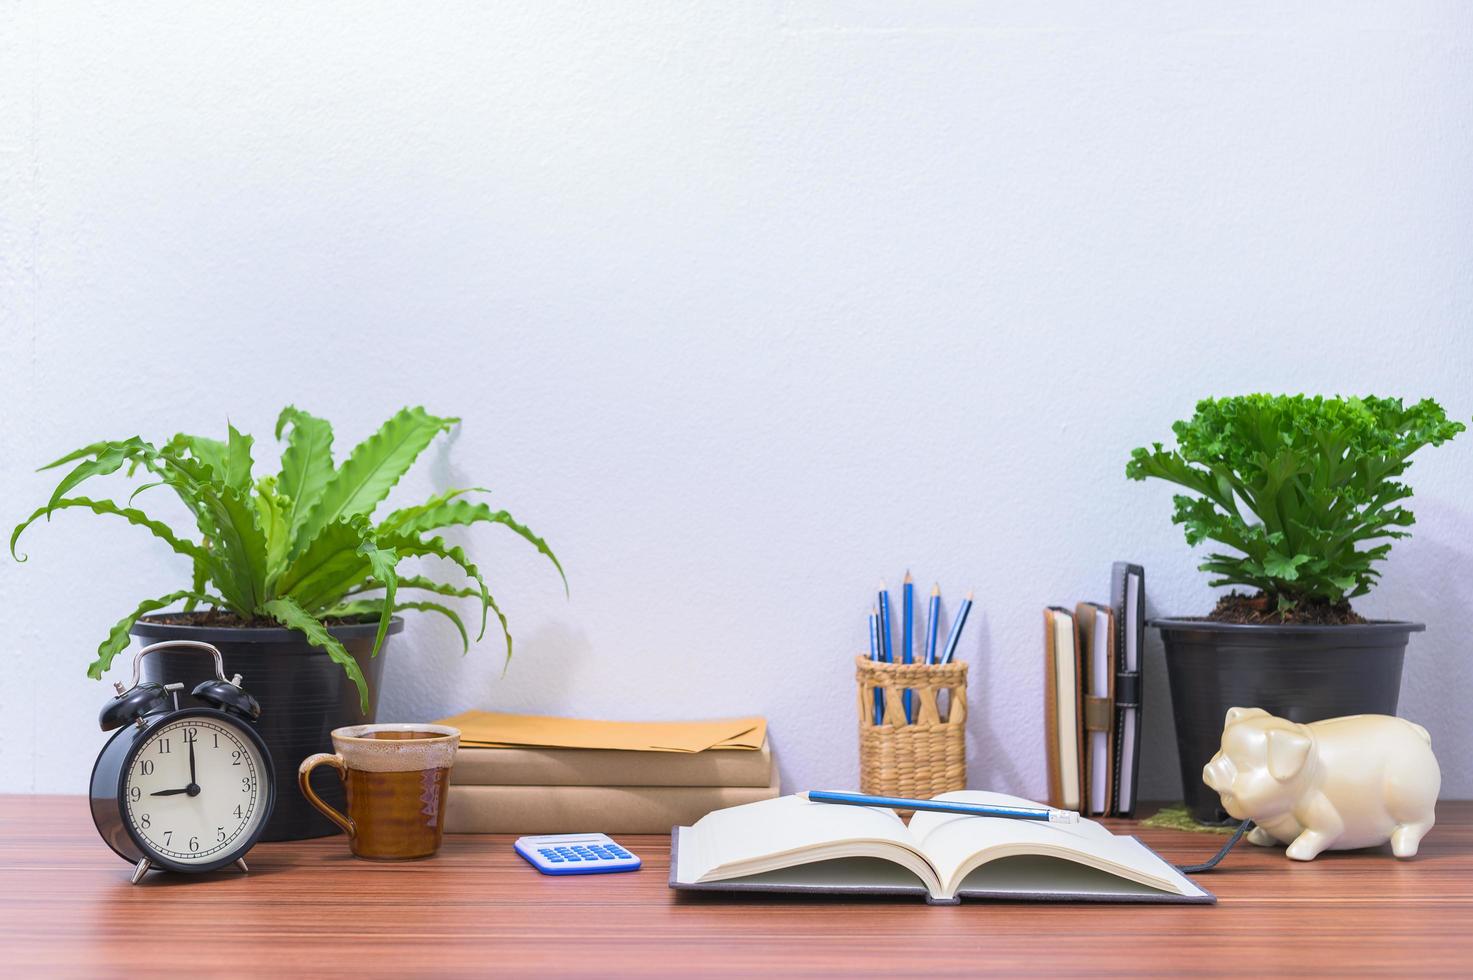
309 909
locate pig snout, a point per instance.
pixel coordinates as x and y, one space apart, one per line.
1218 773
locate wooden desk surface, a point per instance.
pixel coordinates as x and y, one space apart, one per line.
67 909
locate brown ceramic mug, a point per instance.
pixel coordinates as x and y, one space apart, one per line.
397 777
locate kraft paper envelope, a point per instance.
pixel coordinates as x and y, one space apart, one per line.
488 729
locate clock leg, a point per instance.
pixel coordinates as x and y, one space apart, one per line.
140 870
240 863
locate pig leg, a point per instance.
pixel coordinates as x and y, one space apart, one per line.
1262 837
1322 828
1276 831
1406 837
1308 845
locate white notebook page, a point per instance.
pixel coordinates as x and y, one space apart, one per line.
742 838
952 842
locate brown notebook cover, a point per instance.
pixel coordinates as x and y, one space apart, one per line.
498 730
1059 636
590 809
610 767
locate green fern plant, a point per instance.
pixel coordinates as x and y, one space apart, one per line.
1296 486
300 547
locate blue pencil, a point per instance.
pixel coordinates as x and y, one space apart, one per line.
874 654
943 806
956 629
934 618
887 650
907 630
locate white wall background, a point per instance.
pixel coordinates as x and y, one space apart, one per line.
744 306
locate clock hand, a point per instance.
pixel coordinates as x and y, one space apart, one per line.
191 763
170 792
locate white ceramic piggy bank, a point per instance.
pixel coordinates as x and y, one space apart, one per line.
1337 784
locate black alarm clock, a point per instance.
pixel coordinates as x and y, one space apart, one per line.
182 789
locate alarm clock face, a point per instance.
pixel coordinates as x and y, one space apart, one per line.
195 791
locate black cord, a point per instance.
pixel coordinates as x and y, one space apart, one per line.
1192 869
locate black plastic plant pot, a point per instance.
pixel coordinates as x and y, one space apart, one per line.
1303 673
303 697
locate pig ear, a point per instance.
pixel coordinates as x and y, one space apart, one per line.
1238 714
1287 750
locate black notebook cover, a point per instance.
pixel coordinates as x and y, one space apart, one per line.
1129 686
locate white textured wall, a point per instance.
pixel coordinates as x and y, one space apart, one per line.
744 306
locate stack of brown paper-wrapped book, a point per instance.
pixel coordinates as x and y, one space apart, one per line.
530 774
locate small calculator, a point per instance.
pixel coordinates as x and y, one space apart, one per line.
576 854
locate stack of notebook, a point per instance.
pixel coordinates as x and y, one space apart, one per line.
529 774
1092 697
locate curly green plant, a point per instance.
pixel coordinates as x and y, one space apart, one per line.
1305 489
300 547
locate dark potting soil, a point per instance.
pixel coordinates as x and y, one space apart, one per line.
222 619
1261 610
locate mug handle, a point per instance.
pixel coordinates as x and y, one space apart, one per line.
305 770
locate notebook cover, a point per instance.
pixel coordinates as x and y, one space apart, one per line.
498 730
590 809
1084 620
475 766
1132 681
1206 898
1051 709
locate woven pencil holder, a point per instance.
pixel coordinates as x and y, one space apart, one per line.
926 757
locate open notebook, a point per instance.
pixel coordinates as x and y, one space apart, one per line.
790 844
